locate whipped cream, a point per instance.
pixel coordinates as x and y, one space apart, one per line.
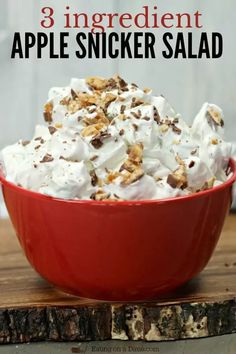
106 139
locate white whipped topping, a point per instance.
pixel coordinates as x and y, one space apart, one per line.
85 149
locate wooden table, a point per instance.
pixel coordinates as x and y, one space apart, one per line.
33 310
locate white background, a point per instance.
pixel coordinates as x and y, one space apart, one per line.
186 83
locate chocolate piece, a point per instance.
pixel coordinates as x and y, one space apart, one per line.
52 129
25 142
193 152
121 83
135 114
111 84
191 164
97 141
94 178
136 102
47 158
156 115
146 118
176 129
176 120
73 94
122 108
47 117
93 157
48 108
172 181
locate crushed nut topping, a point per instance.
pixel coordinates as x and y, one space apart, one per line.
178 179
97 83
146 90
107 100
123 117
93 130
111 176
100 195
129 178
58 125
215 116
207 185
176 142
214 141
135 153
131 169
116 117
163 128
99 118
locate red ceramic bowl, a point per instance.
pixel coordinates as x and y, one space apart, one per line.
128 250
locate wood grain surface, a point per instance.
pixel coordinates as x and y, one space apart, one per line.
33 310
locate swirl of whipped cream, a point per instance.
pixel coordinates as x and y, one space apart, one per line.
105 139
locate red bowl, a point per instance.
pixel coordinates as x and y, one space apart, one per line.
128 250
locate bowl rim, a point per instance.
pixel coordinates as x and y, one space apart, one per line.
37 195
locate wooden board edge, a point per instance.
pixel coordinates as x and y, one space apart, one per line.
146 322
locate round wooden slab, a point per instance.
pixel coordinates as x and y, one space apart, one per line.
33 310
